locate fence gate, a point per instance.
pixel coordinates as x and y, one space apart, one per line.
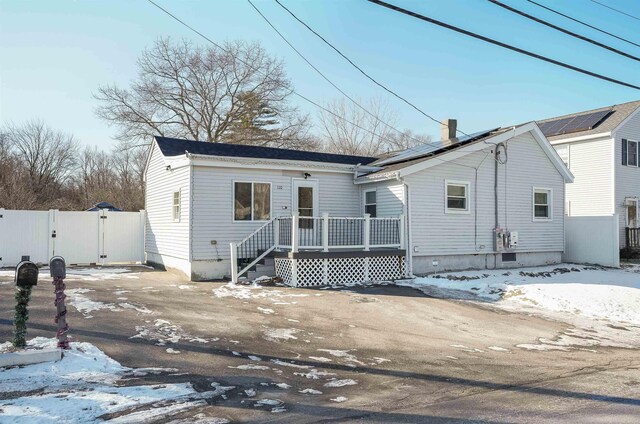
91 237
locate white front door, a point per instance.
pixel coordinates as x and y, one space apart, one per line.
305 203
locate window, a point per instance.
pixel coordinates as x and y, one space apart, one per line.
176 206
563 152
252 201
457 197
632 153
370 203
541 204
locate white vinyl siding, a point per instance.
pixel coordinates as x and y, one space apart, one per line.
163 234
389 198
627 178
213 203
434 232
591 193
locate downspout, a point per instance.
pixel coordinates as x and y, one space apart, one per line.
407 228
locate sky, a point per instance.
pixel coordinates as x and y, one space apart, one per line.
55 54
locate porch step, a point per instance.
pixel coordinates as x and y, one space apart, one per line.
268 269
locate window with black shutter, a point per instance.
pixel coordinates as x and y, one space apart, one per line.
624 152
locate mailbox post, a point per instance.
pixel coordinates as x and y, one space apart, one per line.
58 270
26 277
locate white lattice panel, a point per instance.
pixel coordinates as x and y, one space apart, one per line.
386 268
283 269
342 271
311 272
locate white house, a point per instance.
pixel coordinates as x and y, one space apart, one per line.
602 149
492 199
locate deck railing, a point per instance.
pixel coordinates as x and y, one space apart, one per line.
324 233
329 233
633 238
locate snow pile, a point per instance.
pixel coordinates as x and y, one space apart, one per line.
82 387
593 292
254 291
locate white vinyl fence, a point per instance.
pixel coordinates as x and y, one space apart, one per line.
96 237
592 240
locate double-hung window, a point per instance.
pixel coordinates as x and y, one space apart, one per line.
632 153
457 197
176 206
251 201
542 202
371 203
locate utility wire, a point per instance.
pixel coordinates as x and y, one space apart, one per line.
332 83
319 106
565 31
361 70
616 10
583 23
501 44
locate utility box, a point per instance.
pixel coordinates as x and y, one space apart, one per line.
499 239
513 239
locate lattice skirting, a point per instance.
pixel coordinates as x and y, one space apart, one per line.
339 271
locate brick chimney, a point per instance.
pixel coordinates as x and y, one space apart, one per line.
448 131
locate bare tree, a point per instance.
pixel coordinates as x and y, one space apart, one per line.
238 94
47 157
348 129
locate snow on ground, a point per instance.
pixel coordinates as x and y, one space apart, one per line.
84 386
604 300
85 305
255 291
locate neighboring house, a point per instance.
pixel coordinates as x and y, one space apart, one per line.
601 147
103 206
216 210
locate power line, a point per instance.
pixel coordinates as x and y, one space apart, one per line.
331 82
361 70
583 23
292 91
501 44
616 10
565 31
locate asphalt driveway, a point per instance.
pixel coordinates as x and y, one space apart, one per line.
374 354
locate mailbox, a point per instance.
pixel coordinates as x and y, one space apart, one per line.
26 274
58 267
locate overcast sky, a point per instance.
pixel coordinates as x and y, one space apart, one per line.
54 54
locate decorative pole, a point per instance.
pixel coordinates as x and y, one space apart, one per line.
58 271
26 277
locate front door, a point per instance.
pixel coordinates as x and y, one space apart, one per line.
305 203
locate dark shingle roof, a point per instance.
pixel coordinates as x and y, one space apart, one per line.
620 113
177 147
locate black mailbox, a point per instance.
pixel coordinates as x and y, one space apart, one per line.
26 274
58 267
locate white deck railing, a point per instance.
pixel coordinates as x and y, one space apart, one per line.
326 233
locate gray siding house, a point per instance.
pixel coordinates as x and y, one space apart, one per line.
601 147
490 200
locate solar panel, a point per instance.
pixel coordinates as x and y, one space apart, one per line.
426 149
586 121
